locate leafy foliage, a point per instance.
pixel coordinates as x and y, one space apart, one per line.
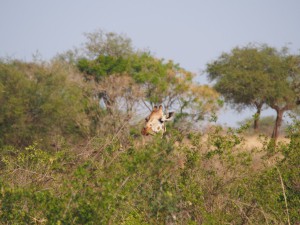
39 102
253 76
207 180
103 66
158 81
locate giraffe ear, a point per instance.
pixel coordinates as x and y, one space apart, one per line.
170 115
167 117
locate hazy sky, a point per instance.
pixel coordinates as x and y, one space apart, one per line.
190 32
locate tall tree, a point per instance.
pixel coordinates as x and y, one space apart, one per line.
242 79
253 76
284 92
110 61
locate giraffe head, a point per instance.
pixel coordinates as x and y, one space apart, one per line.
155 122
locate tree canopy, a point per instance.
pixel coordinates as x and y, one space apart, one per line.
160 81
253 76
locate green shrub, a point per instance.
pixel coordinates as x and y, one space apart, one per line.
202 179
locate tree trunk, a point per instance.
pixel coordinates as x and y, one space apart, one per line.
278 122
256 120
257 116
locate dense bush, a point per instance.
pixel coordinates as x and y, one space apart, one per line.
201 179
41 102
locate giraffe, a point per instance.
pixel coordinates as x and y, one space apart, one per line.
155 122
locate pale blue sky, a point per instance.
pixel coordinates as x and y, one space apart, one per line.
190 32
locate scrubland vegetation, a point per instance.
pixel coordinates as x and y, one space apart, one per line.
71 151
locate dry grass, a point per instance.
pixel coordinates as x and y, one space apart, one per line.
258 142
258 147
